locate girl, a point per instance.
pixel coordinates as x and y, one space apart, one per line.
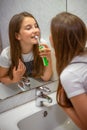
23 57
68 38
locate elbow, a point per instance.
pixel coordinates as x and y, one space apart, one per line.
47 77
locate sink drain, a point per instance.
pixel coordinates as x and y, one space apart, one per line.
45 113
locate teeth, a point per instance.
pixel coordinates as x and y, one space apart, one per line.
36 37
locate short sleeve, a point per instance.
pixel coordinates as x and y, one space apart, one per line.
72 83
5 58
4 62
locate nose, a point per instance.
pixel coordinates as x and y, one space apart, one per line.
34 28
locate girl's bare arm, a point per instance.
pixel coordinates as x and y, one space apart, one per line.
78 113
17 74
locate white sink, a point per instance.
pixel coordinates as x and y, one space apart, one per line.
30 117
51 118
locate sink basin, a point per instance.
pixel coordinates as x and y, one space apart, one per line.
50 118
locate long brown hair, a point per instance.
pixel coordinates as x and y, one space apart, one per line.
15 48
69 37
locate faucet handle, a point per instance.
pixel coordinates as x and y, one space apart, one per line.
44 89
23 83
26 81
41 90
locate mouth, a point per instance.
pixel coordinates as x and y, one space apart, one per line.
35 38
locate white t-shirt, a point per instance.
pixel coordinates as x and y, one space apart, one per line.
5 60
74 77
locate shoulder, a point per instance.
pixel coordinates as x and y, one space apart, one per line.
74 70
72 82
74 77
68 75
5 60
6 52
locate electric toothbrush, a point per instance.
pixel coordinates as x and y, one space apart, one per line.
41 47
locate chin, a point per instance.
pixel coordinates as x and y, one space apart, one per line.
34 43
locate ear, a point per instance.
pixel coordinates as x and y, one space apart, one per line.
17 36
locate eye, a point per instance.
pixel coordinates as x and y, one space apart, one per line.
36 26
28 27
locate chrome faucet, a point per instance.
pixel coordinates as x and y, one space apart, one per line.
41 96
23 83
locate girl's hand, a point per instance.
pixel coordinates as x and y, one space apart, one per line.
19 72
45 51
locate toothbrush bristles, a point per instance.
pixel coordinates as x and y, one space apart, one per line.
37 39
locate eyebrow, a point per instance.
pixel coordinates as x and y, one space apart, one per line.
30 24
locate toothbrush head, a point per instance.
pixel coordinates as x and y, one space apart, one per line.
37 39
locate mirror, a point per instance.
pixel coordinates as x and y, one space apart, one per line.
43 11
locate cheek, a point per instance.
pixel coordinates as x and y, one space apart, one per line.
26 32
26 36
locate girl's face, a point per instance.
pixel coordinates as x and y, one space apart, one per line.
29 29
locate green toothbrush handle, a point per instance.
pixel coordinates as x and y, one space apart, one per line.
45 61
